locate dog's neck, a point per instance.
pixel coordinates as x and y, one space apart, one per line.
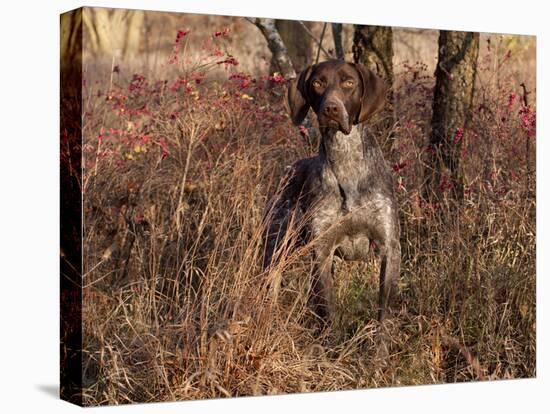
336 147
348 159
340 151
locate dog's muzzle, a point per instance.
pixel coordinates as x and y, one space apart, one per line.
333 114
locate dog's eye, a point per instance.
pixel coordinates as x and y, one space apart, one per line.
348 83
316 83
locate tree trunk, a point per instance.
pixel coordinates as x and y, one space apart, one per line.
454 89
280 55
373 48
338 43
113 31
276 45
297 42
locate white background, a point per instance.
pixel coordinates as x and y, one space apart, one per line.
29 206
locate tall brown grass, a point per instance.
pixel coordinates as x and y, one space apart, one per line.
177 173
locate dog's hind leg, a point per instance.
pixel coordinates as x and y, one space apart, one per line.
389 274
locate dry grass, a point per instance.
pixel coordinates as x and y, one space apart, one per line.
176 305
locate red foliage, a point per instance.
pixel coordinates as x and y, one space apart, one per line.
130 131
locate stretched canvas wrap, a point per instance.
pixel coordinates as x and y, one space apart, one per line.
180 135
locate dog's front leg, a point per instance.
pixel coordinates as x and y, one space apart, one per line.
322 285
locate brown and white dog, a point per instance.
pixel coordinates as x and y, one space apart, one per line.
345 193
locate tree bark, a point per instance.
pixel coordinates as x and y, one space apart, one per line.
373 48
297 42
454 90
277 46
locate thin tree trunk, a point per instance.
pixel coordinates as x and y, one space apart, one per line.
338 44
454 90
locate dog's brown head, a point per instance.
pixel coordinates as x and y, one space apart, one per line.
341 94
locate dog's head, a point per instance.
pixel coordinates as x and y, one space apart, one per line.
342 94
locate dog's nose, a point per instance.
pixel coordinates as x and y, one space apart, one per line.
331 110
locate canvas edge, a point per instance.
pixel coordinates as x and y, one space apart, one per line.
71 207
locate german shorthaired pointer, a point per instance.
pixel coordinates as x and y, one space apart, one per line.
345 194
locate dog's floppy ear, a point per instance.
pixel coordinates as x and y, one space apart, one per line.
297 96
374 93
